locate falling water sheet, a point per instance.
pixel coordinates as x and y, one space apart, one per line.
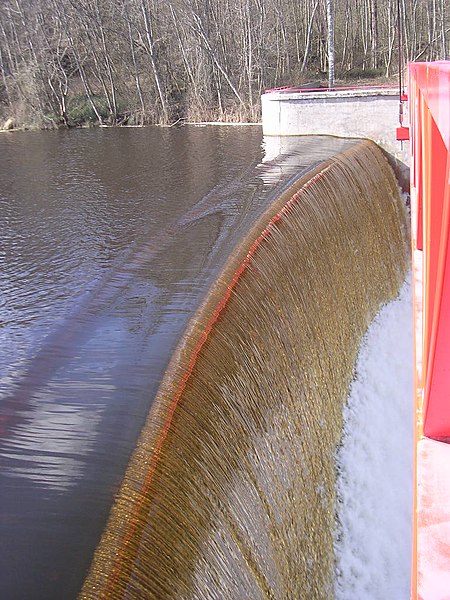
243 432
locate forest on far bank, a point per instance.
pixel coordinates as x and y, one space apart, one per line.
77 62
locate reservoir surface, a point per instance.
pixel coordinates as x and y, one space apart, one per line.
109 241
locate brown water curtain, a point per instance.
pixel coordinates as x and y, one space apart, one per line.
230 491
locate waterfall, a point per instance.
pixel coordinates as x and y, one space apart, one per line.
230 490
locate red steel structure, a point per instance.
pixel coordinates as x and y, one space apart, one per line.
429 108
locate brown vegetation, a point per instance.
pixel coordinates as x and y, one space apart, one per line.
72 62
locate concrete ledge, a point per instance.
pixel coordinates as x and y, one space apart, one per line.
362 113
289 94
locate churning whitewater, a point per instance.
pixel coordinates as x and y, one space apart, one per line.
375 462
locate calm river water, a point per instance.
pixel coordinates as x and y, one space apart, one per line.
109 240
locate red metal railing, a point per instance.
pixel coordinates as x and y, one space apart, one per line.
304 90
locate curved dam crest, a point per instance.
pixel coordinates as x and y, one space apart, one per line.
110 241
231 486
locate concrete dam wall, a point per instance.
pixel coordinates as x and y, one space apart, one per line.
365 112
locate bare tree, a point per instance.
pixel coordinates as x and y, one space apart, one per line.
159 60
330 25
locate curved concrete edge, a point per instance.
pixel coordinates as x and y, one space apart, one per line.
372 114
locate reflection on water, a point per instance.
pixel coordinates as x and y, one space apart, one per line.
109 240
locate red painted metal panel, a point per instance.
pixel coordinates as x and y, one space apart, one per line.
402 134
415 127
430 117
429 98
433 80
437 385
434 164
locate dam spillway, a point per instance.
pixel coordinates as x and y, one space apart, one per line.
231 486
206 500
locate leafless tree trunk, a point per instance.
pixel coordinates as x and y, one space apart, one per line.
4 79
330 24
159 58
308 36
112 100
374 32
150 47
199 28
443 32
136 74
391 39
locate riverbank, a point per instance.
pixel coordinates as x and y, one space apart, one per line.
80 113
176 124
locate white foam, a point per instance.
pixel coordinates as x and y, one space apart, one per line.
375 484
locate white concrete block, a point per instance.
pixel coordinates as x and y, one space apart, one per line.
365 113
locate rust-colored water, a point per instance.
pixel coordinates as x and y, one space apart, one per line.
230 491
